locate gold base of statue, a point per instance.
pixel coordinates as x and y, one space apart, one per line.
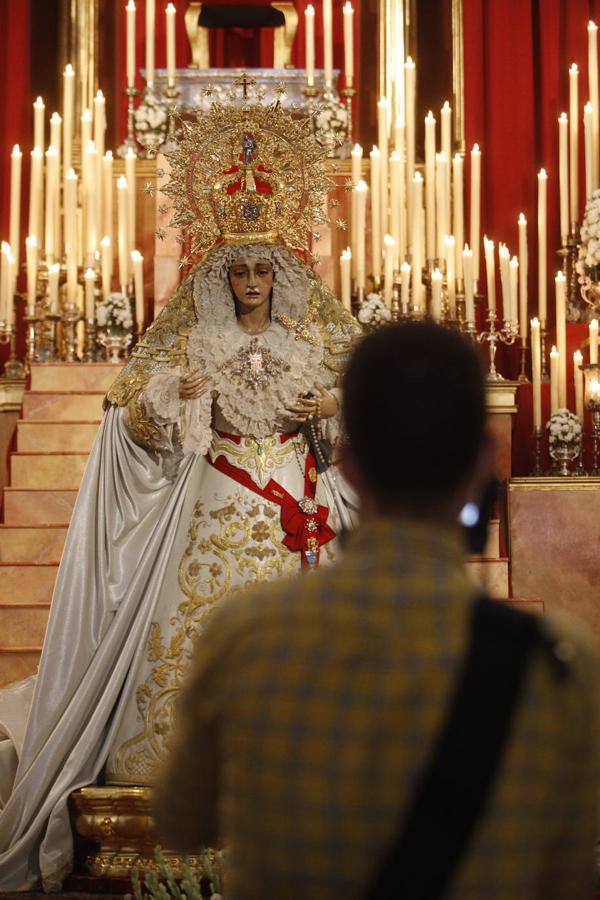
113 832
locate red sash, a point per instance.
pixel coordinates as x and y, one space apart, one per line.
304 521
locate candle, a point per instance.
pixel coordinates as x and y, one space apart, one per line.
578 378
38 123
137 261
397 208
475 208
409 86
573 145
123 231
36 192
542 242
593 87
417 243
436 294
405 286
130 65
561 336
16 159
388 270
53 277
446 142
11 276
593 328
523 270
51 202
349 43
450 248
86 136
99 122
467 261
309 22
361 221
31 255
458 216
504 259
89 278
130 161
55 131
71 248
490 271
382 129
356 156
92 193
328 42
536 373
150 29
4 251
346 280
68 106
106 265
107 195
170 14
554 405
563 170
376 212
440 209
430 185
513 269
588 134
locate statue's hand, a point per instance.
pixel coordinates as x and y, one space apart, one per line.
322 406
328 405
192 385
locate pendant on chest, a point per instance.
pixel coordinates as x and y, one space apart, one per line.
254 366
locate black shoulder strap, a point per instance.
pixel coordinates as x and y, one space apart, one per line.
454 789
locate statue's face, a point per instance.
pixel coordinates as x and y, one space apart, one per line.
251 279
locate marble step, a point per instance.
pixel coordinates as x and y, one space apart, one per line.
23 626
18 664
527 604
73 376
63 407
23 544
26 506
491 576
50 437
55 471
26 584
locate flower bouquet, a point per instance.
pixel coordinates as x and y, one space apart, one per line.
331 124
564 439
115 322
151 122
373 312
588 263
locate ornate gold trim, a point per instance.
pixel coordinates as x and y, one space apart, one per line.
554 483
458 75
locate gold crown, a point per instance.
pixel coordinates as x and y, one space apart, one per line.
247 174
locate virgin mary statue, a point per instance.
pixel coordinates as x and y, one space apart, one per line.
211 471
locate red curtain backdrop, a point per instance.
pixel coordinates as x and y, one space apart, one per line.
516 56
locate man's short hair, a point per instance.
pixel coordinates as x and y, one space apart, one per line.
414 410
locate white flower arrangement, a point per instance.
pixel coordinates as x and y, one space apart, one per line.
373 312
564 427
151 120
588 263
114 315
331 122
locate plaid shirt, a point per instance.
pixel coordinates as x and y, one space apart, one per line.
312 707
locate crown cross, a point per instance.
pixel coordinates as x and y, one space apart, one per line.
245 82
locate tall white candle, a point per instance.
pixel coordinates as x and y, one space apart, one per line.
90 303
578 379
475 208
130 63
400 188
99 122
53 279
349 44
446 147
561 336
504 260
513 269
382 132
441 169
361 222
130 161
593 329
523 273
32 255
542 243
11 278
417 243
467 260
55 131
376 212
92 189
554 361
563 171
107 195
51 202
106 265
430 185
345 277
36 192
68 114
123 230
16 160
409 87
309 23
458 215
150 38
593 87
39 111
588 134
450 248
490 272
170 16
328 42
436 294
536 373
397 208
71 222
4 290
137 261
388 269
405 287
574 144
356 157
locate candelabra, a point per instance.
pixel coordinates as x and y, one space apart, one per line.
89 354
543 339
14 370
70 317
591 373
130 142
171 92
523 379
537 452
32 321
506 335
349 93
